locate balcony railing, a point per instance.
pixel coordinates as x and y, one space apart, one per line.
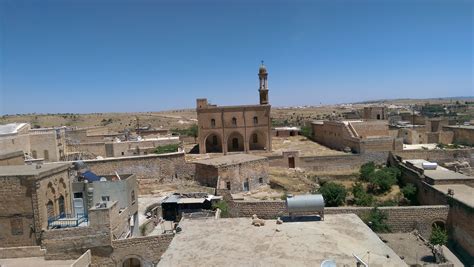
67 220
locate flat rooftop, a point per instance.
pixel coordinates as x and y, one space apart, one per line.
230 160
462 192
31 170
236 242
34 262
11 128
441 173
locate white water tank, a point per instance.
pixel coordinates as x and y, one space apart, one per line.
429 165
304 204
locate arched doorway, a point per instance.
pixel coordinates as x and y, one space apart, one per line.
257 141
213 144
62 210
132 262
235 142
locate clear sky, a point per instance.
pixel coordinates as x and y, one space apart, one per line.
113 56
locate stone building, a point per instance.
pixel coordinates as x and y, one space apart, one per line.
462 134
30 195
236 128
356 136
237 173
375 113
45 143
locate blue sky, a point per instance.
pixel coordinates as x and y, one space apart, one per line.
118 56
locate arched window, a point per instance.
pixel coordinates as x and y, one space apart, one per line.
234 121
213 123
50 209
255 120
62 210
214 140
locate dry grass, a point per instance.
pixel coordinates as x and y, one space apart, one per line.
304 145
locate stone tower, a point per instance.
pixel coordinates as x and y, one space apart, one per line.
263 90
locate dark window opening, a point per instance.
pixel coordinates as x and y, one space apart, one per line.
255 138
228 185
234 121
255 120
260 180
214 140
213 123
235 143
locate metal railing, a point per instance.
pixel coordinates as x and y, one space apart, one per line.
66 220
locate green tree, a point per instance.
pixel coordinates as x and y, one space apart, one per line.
334 194
361 197
409 192
166 149
307 131
222 205
193 131
367 170
382 180
377 221
439 236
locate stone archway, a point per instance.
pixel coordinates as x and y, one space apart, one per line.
235 142
132 262
213 143
257 141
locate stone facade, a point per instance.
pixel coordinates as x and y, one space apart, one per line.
356 136
462 134
375 113
236 173
13 158
29 197
235 128
150 170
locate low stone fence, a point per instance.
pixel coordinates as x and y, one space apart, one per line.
21 252
400 219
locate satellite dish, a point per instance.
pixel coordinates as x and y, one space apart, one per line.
103 179
328 263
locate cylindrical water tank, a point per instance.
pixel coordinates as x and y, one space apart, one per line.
305 203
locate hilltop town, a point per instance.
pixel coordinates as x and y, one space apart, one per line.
383 183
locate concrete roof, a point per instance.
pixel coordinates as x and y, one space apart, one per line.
11 128
229 160
462 192
235 242
467 127
31 170
440 173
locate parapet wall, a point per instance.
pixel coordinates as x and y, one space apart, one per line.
150 170
21 252
400 219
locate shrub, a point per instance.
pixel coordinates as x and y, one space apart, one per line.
334 194
367 170
383 180
409 192
377 221
307 131
222 205
361 198
439 236
166 149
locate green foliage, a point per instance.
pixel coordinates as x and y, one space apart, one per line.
284 196
387 203
367 170
105 122
409 192
361 197
439 236
191 131
377 221
166 149
222 205
334 194
383 180
307 131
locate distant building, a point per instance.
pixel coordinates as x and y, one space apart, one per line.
286 131
175 205
44 143
237 173
462 134
236 128
375 113
356 136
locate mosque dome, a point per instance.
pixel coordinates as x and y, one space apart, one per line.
262 69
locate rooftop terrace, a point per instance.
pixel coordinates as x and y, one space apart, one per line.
220 242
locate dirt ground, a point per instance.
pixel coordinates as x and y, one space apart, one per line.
409 247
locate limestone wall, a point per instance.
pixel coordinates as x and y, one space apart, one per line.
44 145
150 170
13 158
21 252
400 219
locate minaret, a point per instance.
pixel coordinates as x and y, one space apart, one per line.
263 90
